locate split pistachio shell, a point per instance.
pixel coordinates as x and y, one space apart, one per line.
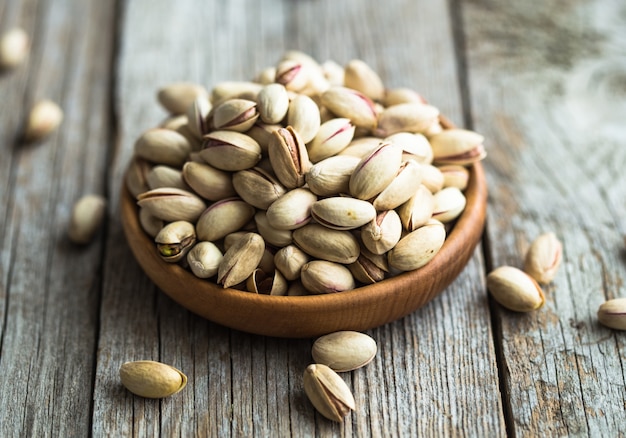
292 210
350 104
209 182
257 187
401 188
376 171
457 146
14 48
204 259
175 240
165 176
223 217
383 232
324 277
289 157
273 103
44 118
241 259
230 150
289 260
149 223
342 213
268 284
514 289
543 258
293 74
361 77
418 247
449 204
327 244
198 116
177 97
418 209
235 115
366 269
344 350
406 117
612 313
331 176
328 393
273 236
170 204
304 117
414 146
150 379
163 146
87 216
332 136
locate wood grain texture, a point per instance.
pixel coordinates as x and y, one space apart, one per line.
552 100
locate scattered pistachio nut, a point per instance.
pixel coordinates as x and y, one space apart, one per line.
87 216
514 289
45 117
150 379
175 240
543 258
328 392
612 313
344 350
14 48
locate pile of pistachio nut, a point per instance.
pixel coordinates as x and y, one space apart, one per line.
311 178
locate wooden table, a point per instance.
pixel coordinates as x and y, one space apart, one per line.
544 82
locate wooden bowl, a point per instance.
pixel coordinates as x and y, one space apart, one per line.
310 316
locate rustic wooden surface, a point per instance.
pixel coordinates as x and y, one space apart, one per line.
543 81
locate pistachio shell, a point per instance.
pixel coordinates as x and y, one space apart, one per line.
231 151
331 176
418 247
612 313
136 178
383 232
241 259
204 259
342 213
14 47
165 176
514 289
406 117
289 260
414 146
44 118
150 379
163 146
289 157
273 236
361 147
226 90
344 350
418 209
328 393
350 104
175 240
177 97
273 103
366 270
293 74
543 258
457 146
257 187
327 244
449 204
87 216
324 277
455 175
401 188
304 117
332 136
235 115
432 178
198 115
149 223
223 217
171 204
395 96
361 77
375 171
292 210
207 181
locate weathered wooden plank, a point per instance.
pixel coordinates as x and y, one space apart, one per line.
547 86
435 372
49 288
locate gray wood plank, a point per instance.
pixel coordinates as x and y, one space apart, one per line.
435 372
547 89
49 288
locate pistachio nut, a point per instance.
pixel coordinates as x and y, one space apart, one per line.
87 216
414 146
165 176
332 136
226 90
241 259
327 244
170 204
273 236
268 284
149 223
289 157
396 96
543 258
175 240
204 259
328 393
257 187
45 117
235 115
418 247
333 73
514 289
273 103
331 176
262 134
163 146
418 209
292 210
457 146
207 181
406 117
150 379
342 213
449 204
293 74
432 178
136 177
375 171
361 77
455 175
174 122
230 150
612 313
14 47
289 260
324 277
344 350
360 147
401 188
177 97
350 104
304 117
383 232
223 217
198 116
266 76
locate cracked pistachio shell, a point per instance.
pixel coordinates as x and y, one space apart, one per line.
235 115
457 146
241 259
361 77
45 117
257 187
177 97
406 117
414 146
396 96
273 103
170 204
289 157
150 379
175 240
369 268
375 171
289 260
350 104
418 209
292 210
324 277
87 216
292 74
163 146
149 223
331 176
514 289
198 116
342 213
207 181
418 247
204 259
449 204
267 284
344 351
543 258
327 244
273 236
165 176
332 136
223 217
226 90
401 188
612 313
383 232
327 392
14 48
455 175
304 117
230 150
432 178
